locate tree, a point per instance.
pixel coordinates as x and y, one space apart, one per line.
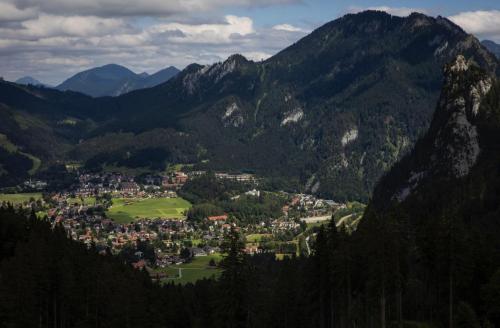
231 309
185 254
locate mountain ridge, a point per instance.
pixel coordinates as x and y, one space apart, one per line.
328 115
492 46
114 80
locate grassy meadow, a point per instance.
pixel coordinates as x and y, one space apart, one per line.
126 210
19 198
197 269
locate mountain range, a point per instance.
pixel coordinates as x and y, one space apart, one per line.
114 80
493 47
328 115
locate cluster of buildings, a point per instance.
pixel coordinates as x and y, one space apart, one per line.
90 184
174 181
304 205
169 238
35 184
243 177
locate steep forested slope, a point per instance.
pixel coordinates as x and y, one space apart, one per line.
333 111
438 208
328 115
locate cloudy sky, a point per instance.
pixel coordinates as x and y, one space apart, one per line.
53 39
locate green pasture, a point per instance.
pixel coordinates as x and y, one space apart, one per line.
126 210
197 269
19 198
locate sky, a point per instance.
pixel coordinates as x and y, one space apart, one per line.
51 40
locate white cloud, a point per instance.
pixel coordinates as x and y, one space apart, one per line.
288 28
63 61
50 25
484 24
121 8
395 11
206 33
256 55
54 47
10 13
52 39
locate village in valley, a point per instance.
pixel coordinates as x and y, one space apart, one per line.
146 221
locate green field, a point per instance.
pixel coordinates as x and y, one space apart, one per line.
86 200
257 237
126 210
19 198
195 270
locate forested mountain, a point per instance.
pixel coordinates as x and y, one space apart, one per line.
331 113
426 253
492 46
114 80
328 115
437 209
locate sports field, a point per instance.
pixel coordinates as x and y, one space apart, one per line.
19 198
126 210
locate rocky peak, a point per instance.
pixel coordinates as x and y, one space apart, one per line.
214 73
458 66
451 147
465 87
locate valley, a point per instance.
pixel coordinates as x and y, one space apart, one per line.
349 179
144 221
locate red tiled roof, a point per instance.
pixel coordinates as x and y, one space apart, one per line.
218 218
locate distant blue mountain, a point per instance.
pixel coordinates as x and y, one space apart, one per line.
114 80
28 80
492 46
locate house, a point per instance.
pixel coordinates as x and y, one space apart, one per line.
139 265
180 178
236 177
252 249
217 218
254 193
211 250
195 251
130 187
197 173
175 181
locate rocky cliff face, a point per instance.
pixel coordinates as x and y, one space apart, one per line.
459 142
436 212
